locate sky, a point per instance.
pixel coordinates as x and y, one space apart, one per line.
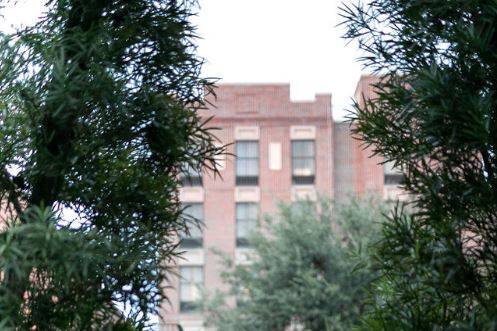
264 41
283 41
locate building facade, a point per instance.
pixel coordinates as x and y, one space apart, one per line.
357 170
285 151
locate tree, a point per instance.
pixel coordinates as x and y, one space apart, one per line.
310 268
435 117
98 116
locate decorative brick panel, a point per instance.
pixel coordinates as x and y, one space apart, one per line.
244 256
247 133
394 192
275 156
247 194
192 325
192 257
191 194
304 192
302 132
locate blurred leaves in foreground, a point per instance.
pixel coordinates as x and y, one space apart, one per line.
434 115
99 106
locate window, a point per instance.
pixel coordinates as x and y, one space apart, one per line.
247 163
246 222
303 161
393 176
191 177
195 215
242 296
394 179
191 281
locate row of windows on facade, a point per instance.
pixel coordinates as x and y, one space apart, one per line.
247 164
246 221
190 289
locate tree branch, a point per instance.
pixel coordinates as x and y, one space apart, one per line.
11 188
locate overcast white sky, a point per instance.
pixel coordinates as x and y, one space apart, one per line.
283 41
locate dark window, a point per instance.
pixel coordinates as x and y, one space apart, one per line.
191 177
195 217
394 179
247 163
303 162
242 296
191 281
246 222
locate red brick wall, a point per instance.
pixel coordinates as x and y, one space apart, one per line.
357 171
343 166
267 106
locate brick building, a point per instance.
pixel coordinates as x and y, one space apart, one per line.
356 170
285 151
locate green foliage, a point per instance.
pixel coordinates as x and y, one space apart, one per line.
435 117
57 262
98 115
310 268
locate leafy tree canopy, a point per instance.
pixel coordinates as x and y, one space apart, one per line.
310 269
